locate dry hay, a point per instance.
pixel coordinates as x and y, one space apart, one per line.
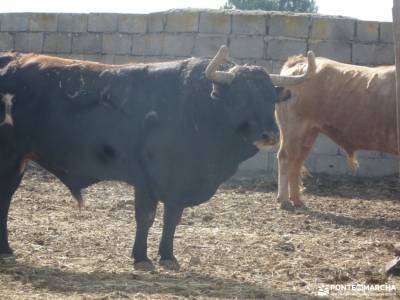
239 245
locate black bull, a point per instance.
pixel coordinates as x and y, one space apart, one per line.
164 128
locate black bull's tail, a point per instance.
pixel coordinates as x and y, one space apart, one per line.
6 98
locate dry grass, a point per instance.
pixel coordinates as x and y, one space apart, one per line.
238 245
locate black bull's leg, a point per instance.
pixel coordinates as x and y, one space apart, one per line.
172 217
8 185
145 210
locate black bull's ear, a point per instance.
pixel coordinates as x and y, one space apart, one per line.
283 94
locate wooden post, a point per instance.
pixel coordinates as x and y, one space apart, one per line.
396 42
393 266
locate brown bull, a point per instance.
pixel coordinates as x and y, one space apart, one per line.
355 106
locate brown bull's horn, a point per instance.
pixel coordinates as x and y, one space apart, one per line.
7 100
282 80
211 70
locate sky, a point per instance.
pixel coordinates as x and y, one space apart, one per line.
373 10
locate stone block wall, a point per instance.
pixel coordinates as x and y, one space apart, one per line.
262 38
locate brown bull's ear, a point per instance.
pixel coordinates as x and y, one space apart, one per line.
211 70
283 94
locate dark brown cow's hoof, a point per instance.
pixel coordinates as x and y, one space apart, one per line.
7 258
287 205
145 265
170 264
300 205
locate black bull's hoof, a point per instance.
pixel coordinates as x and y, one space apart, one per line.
7 258
145 265
170 264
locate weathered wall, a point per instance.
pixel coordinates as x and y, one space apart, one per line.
262 38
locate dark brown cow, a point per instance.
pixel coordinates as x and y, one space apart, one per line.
354 106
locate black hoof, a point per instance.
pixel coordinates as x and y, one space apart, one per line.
7 258
170 264
288 206
145 265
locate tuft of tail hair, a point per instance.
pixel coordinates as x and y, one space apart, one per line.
77 194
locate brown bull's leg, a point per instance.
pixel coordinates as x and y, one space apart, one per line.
283 179
145 211
295 184
8 185
295 172
172 217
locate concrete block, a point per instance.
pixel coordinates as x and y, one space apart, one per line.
117 43
289 26
92 57
247 47
76 23
132 23
86 43
43 22
374 167
367 31
182 21
245 23
281 49
386 32
57 42
311 163
15 22
107 59
332 28
102 22
156 22
324 145
336 50
331 164
366 154
266 64
257 163
126 59
245 61
373 54
29 41
149 44
215 22
272 165
207 45
277 66
6 41
178 45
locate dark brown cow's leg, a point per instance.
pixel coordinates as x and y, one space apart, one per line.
145 210
8 185
298 137
172 217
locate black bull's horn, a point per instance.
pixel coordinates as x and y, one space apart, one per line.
226 77
211 70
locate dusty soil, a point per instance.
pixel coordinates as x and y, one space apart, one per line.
238 245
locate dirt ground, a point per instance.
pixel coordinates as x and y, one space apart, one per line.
239 245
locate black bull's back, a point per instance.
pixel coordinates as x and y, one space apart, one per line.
153 126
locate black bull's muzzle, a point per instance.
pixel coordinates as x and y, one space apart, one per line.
267 140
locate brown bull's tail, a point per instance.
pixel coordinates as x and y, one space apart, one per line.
353 162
